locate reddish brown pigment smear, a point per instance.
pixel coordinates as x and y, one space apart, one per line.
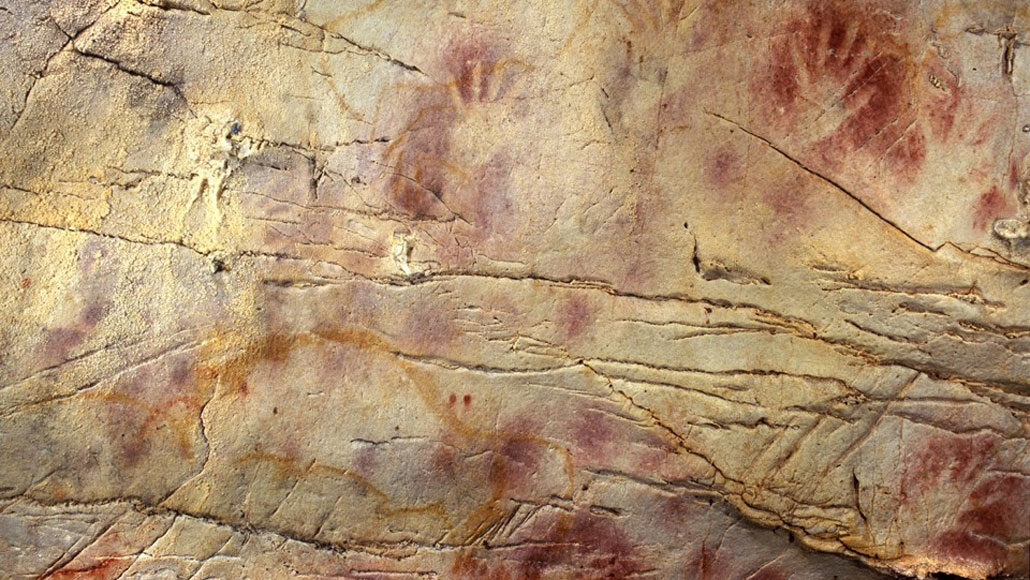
841 55
991 514
991 205
103 569
1014 175
485 199
846 45
724 168
60 342
945 459
675 510
429 326
433 178
154 405
234 372
788 200
990 507
908 154
577 546
517 459
709 563
444 462
592 436
714 24
574 316
965 547
25 283
943 102
701 562
986 531
471 63
366 460
619 84
124 427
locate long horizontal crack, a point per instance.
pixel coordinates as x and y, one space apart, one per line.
81 230
795 326
284 21
145 508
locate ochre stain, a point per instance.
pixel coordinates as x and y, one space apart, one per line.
291 469
991 205
429 326
592 435
964 547
60 342
1015 175
955 460
944 97
233 370
788 200
839 55
514 453
714 23
724 169
444 462
573 546
649 18
366 461
102 569
574 316
131 423
701 561
987 525
989 509
431 178
907 155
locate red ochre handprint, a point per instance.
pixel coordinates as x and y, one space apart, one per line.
839 80
450 162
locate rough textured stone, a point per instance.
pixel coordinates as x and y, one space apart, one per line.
579 289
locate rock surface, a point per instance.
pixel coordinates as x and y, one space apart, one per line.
494 290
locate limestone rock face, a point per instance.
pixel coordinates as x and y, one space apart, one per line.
577 289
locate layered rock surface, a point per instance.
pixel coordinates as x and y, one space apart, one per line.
585 289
